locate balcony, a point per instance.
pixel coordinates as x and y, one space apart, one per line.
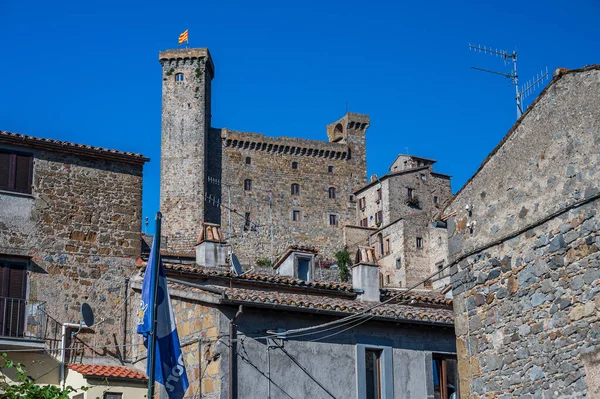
23 323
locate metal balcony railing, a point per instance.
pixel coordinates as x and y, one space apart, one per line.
21 318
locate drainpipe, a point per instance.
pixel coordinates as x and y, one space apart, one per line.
124 320
63 350
232 351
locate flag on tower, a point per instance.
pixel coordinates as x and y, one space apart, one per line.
183 37
169 368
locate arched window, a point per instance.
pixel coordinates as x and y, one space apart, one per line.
294 165
247 185
295 189
332 192
179 77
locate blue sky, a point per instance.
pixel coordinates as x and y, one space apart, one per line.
88 71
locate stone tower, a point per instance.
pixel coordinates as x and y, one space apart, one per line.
186 114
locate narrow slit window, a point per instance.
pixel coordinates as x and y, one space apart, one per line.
419 242
333 221
296 216
248 185
248 160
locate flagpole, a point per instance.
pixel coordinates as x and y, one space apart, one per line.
153 321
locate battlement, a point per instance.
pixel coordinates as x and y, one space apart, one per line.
186 53
338 131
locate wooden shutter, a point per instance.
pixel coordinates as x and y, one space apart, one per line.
23 173
16 293
4 171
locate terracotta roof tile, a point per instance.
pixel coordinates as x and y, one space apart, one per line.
408 312
31 140
267 278
91 370
419 296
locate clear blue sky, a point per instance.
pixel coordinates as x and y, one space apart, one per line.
88 71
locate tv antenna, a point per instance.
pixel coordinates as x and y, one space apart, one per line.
520 92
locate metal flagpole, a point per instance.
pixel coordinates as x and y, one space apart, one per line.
153 321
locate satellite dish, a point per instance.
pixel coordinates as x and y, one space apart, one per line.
236 267
87 315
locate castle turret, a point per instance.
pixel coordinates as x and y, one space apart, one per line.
186 113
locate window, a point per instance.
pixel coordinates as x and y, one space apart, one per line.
294 165
16 171
379 217
375 378
362 203
388 247
378 194
351 197
296 216
423 177
445 377
363 222
388 279
295 189
380 244
410 193
398 263
304 265
247 222
179 77
419 242
330 169
248 160
333 220
113 395
248 185
435 199
331 192
13 288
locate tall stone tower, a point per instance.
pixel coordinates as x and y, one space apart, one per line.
186 114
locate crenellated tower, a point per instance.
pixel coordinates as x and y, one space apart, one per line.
186 115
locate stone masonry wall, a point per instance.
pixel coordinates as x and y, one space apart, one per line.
185 126
81 227
527 274
270 202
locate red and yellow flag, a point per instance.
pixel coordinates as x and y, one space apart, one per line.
183 37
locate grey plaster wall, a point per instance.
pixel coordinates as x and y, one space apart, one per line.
303 364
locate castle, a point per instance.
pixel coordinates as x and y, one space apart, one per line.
266 193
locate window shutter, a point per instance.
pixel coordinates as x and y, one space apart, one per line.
4 170
23 174
14 319
16 282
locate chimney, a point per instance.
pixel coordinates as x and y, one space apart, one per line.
365 275
211 249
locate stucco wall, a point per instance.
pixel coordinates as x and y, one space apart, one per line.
528 272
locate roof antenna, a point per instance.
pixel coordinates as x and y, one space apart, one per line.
520 93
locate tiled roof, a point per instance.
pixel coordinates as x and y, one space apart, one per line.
345 305
65 145
419 296
254 277
91 370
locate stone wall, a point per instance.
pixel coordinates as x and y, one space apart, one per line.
526 275
270 202
185 127
81 228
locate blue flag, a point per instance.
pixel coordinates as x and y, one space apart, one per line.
168 367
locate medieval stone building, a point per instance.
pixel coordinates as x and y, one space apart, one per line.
524 234
394 215
70 220
267 193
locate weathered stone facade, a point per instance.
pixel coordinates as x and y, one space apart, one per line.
394 213
77 232
243 181
524 234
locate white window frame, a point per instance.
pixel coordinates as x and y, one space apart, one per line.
387 370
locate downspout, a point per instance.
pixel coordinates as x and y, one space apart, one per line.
63 350
124 320
232 351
